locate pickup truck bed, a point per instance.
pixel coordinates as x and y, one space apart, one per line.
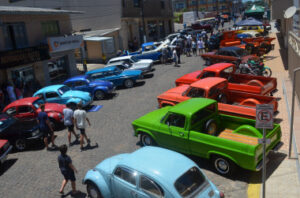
229 135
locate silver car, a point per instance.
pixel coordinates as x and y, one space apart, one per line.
130 62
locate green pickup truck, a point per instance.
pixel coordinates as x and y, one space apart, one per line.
195 127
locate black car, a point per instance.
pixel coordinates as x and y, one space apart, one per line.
19 133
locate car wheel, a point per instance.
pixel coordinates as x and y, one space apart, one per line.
99 95
128 83
146 140
93 190
222 98
20 144
211 127
267 72
223 165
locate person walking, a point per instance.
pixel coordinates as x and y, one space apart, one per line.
67 169
164 55
174 57
80 119
178 52
200 45
69 122
45 126
194 48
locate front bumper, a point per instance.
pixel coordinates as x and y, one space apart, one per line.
3 157
112 89
38 136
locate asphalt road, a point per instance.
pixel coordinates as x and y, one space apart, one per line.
35 173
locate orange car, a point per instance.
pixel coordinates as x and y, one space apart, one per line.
230 102
237 82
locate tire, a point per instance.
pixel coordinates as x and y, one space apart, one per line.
267 72
146 140
20 144
99 95
128 83
222 98
223 166
211 127
93 190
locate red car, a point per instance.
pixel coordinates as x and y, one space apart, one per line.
27 109
5 148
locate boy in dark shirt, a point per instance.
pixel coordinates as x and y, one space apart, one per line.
67 169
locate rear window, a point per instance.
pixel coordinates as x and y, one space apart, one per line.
189 182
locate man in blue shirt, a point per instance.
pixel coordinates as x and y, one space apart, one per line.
45 126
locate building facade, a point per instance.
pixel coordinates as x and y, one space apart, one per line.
36 45
203 5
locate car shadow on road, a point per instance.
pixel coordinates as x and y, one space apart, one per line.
7 164
77 195
146 76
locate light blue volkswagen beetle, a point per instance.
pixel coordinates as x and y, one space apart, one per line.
149 172
62 94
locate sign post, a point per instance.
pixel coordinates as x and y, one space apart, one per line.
264 120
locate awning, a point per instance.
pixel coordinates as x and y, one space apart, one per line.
249 22
96 38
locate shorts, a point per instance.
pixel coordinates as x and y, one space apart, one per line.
70 127
69 175
82 131
46 132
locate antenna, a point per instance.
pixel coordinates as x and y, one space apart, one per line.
290 12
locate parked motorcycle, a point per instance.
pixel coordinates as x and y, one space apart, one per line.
255 68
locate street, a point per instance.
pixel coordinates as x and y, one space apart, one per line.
34 173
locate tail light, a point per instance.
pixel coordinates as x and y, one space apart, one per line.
222 195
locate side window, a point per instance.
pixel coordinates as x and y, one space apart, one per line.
40 95
25 109
97 75
175 120
11 111
203 113
51 95
150 187
196 93
213 92
126 175
79 83
208 74
69 84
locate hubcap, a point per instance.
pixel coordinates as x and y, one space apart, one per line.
129 83
212 129
147 140
93 192
99 95
20 144
222 166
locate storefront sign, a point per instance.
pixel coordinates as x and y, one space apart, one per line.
23 56
59 44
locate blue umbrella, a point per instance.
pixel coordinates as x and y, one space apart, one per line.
249 22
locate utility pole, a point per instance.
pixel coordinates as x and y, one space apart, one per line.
143 21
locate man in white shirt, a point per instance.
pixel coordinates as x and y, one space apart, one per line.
80 118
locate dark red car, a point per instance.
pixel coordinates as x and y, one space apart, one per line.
27 109
5 148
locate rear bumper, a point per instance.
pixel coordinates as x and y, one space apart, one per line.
3 157
260 164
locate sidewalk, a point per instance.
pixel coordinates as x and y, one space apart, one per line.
284 173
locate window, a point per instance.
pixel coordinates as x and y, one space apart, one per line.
25 109
196 93
152 30
40 95
136 3
150 187
189 182
175 120
50 28
79 83
11 111
208 74
162 4
15 36
51 95
203 113
97 75
69 84
63 90
126 175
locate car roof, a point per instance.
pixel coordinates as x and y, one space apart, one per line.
23 101
110 68
49 88
207 83
218 67
148 44
76 78
120 58
115 63
152 161
191 106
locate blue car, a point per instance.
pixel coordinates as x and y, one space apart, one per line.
98 88
63 94
113 74
149 172
149 50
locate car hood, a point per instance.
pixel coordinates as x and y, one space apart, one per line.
173 93
188 78
131 73
108 165
53 107
77 94
2 143
144 61
151 118
101 83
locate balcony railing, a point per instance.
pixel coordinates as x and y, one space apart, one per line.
294 42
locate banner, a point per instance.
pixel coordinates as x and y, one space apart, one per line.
59 44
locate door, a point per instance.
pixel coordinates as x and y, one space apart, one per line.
124 183
53 97
80 85
114 77
26 113
179 136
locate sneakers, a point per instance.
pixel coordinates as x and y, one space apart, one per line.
88 141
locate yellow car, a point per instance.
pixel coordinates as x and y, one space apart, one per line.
257 30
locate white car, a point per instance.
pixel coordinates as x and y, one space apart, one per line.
128 66
145 65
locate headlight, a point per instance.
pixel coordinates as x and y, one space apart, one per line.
35 133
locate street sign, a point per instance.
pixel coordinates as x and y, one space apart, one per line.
264 116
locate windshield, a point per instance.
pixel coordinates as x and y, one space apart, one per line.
189 182
63 89
117 70
241 52
38 102
134 59
5 121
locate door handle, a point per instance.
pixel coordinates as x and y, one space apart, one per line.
181 134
